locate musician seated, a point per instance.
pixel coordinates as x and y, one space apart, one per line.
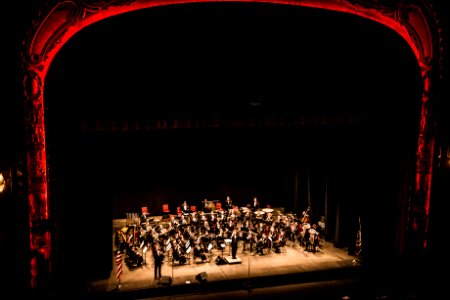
183 221
143 218
205 239
312 241
228 204
206 206
133 257
255 204
178 254
261 245
220 243
279 241
185 208
251 239
199 251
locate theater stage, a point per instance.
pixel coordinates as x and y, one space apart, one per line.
292 263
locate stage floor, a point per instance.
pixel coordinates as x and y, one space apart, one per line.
292 260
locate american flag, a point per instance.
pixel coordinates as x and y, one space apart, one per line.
119 264
358 248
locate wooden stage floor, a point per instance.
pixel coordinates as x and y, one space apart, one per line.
292 260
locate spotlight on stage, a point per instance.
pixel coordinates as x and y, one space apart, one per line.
201 277
2 183
6 180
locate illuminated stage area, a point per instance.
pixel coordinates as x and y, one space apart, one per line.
293 261
327 273
294 271
333 106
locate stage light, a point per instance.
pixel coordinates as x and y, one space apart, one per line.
448 158
2 183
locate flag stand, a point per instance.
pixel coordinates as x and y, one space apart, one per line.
358 246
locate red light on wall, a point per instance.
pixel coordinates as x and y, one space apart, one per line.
447 158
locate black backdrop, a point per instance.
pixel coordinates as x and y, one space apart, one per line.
289 62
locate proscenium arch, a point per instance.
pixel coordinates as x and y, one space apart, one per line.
414 22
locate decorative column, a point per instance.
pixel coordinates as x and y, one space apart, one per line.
57 22
422 26
40 236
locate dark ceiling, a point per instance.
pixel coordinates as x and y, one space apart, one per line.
220 59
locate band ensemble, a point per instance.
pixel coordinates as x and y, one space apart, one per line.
193 233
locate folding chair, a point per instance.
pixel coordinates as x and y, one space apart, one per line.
144 210
165 208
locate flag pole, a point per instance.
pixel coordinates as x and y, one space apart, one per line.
358 246
326 206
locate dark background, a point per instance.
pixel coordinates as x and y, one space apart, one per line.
354 85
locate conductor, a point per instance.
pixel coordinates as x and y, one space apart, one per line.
158 256
234 243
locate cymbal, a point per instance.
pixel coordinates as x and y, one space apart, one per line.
268 210
245 208
259 212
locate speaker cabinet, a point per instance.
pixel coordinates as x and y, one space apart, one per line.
220 261
201 277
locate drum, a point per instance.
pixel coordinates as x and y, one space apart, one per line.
259 212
